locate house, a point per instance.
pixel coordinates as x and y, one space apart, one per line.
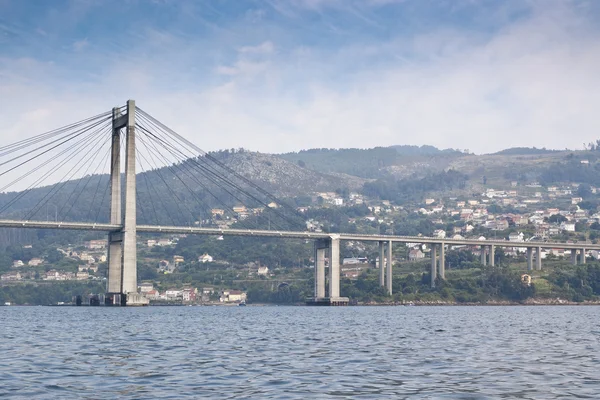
152 294
204 258
576 200
95 244
85 267
501 225
189 294
145 287
173 294
262 270
516 237
11 276
520 220
429 201
415 254
217 212
17 263
354 260
178 259
82 275
234 296
439 233
240 209
34 262
568 226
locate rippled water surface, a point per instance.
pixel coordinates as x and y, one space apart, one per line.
300 352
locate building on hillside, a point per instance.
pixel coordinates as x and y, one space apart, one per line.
178 259
516 237
439 233
174 294
355 260
96 244
11 276
233 296
204 258
82 276
189 294
17 263
263 271
145 287
415 254
34 262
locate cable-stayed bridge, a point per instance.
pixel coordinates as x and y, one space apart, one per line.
122 167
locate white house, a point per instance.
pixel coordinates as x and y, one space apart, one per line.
204 258
262 270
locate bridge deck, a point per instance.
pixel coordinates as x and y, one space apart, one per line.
289 234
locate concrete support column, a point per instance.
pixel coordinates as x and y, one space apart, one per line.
492 255
483 256
114 240
442 261
433 264
334 266
573 256
539 259
382 264
583 256
320 248
530 259
129 278
389 268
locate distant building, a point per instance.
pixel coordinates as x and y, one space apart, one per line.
11 276
415 254
262 270
34 262
95 244
204 258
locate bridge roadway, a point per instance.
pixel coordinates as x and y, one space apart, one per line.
291 234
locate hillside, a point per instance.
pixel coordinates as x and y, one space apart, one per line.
83 200
378 162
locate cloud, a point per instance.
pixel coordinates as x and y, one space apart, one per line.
80 45
278 86
263 48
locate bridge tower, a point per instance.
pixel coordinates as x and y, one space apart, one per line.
122 250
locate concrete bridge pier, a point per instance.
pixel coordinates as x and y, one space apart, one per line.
331 247
483 256
538 260
530 259
573 256
492 255
433 264
442 263
582 256
382 264
321 246
388 277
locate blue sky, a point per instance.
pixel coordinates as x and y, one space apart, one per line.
282 75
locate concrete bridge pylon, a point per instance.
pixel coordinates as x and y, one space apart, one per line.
122 248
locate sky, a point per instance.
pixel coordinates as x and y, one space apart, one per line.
284 75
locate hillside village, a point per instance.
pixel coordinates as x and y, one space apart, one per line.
517 213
